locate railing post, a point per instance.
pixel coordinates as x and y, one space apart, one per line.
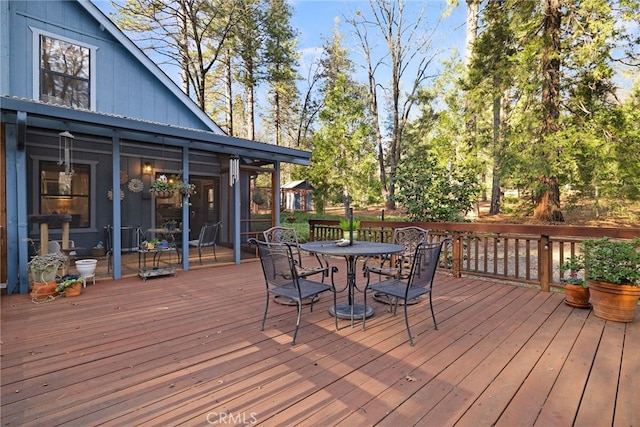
312 232
456 254
544 263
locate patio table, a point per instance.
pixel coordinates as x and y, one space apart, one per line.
351 253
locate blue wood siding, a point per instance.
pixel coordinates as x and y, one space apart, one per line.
138 95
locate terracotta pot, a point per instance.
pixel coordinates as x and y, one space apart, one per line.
73 290
614 302
43 290
576 295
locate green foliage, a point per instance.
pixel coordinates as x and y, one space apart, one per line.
575 266
68 280
612 261
343 165
430 191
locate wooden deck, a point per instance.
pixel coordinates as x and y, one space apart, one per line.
188 351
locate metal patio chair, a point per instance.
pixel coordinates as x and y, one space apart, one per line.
288 235
419 281
282 279
207 237
398 266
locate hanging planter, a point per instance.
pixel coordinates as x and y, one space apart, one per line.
162 194
162 188
187 189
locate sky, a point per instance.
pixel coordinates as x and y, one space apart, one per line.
315 19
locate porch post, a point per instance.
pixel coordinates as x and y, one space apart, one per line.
17 235
234 183
276 191
186 226
117 220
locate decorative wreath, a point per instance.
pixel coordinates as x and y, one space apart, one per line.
135 185
110 194
123 177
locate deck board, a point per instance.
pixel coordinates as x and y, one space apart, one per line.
186 350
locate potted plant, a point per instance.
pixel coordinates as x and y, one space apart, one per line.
70 285
187 189
613 274
162 188
345 224
44 269
575 286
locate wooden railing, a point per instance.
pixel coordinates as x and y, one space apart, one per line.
526 254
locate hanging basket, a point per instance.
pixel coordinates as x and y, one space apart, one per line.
161 194
187 191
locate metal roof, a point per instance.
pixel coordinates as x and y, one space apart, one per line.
55 117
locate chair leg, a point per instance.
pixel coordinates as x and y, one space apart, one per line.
335 313
406 320
352 304
214 253
295 333
266 307
200 255
364 315
435 325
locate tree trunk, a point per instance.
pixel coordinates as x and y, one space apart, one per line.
229 94
495 182
548 202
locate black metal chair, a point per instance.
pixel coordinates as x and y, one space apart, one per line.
288 235
398 266
419 282
207 237
282 279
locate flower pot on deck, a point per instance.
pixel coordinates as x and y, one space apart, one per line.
614 302
86 267
43 290
73 290
576 296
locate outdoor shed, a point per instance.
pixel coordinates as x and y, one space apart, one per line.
297 196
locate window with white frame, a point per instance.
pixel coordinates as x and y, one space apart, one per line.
65 71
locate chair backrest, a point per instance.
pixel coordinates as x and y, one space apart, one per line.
284 235
409 237
54 247
425 262
208 234
278 264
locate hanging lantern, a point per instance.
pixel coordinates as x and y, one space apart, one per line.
65 151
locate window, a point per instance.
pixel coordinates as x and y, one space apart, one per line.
65 194
65 70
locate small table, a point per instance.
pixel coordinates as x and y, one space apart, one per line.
155 270
351 310
170 234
